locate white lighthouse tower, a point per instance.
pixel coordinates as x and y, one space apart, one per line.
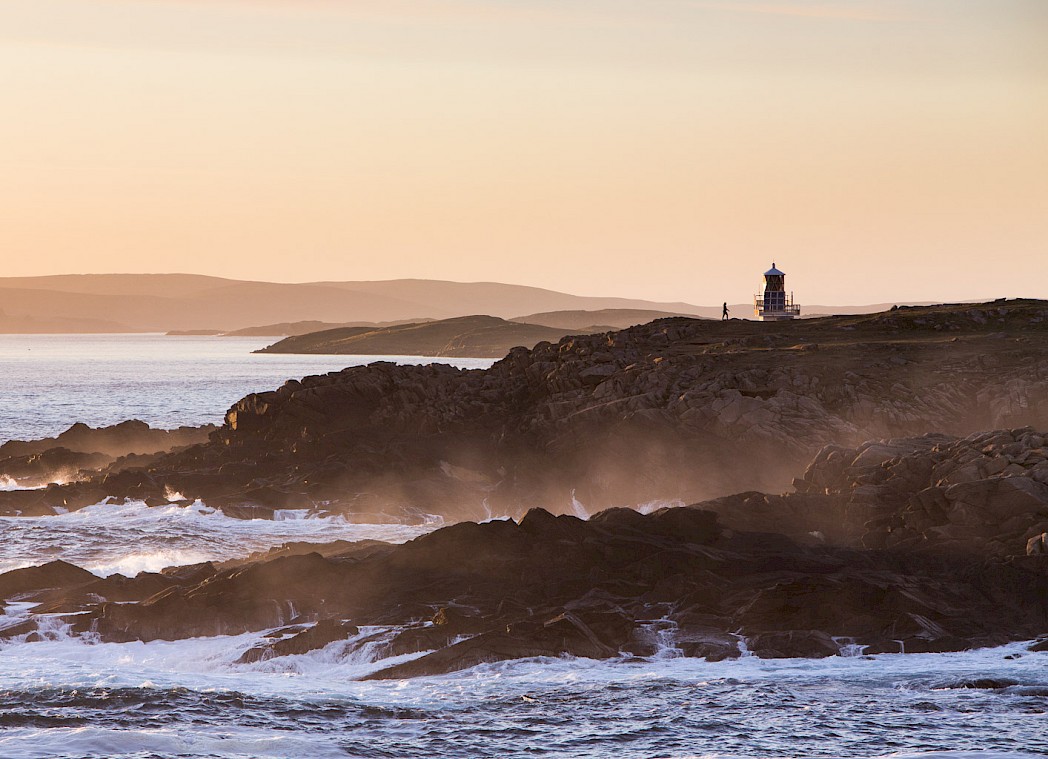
774 305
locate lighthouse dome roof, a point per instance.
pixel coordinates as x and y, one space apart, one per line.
773 272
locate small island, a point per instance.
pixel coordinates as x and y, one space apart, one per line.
476 336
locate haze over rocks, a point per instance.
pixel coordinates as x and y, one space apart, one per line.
679 581
678 410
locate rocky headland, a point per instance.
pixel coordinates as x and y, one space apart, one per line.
678 410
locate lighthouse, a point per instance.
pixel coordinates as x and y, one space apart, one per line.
774 305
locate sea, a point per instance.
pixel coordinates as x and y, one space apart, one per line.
77 697
48 382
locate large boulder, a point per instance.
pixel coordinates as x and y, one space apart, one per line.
789 644
54 574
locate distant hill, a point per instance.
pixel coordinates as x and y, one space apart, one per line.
168 302
465 337
287 329
36 325
290 329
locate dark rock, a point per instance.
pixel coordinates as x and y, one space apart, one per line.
54 464
115 588
254 597
981 683
285 631
558 636
711 645
191 573
131 437
54 574
810 644
19 628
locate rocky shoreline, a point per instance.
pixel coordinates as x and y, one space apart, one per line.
82 452
853 560
930 534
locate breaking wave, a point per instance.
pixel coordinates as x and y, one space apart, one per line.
70 698
132 537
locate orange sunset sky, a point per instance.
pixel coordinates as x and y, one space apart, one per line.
664 149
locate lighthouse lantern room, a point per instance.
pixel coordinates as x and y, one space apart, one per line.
775 305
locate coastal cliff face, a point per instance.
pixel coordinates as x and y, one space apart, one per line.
677 410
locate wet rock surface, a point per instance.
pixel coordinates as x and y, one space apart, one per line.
676 580
303 641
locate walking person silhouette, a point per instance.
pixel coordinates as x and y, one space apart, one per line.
724 314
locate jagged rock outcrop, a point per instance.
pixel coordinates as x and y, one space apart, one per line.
987 492
52 465
131 437
675 410
620 584
82 452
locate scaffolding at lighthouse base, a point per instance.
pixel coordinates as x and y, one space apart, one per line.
775 306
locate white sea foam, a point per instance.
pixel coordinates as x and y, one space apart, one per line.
920 755
190 740
545 686
650 506
132 537
577 508
209 664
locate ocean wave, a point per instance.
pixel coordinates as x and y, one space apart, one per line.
126 538
188 741
161 694
8 483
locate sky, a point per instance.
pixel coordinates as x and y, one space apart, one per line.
876 151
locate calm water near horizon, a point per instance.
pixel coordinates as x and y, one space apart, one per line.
49 382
